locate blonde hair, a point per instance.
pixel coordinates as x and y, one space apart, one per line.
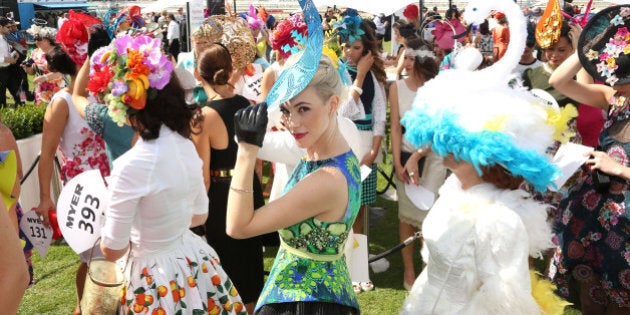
326 79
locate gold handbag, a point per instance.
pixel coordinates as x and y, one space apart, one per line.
103 288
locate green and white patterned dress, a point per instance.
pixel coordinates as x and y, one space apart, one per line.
310 266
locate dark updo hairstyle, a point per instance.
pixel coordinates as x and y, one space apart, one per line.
500 177
98 38
59 61
408 31
168 107
452 13
425 67
215 64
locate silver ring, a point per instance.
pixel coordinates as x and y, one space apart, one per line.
411 173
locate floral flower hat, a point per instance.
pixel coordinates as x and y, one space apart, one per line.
127 73
604 46
42 32
289 36
74 35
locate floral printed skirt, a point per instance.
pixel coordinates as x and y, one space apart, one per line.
186 280
594 241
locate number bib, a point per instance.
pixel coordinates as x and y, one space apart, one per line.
81 210
39 235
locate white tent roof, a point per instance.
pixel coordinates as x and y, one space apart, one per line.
160 5
375 7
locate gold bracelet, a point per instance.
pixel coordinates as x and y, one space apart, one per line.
245 191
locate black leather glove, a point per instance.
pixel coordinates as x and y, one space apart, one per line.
250 124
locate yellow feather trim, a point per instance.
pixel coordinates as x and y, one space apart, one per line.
560 122
497 123
543 293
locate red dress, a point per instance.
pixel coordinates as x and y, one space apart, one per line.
501 37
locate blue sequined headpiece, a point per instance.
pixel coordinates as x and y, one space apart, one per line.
298 75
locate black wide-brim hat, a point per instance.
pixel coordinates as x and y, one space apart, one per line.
604 45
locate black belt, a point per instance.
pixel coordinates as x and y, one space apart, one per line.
223 172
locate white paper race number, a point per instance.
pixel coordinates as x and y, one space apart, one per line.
81 210
39 235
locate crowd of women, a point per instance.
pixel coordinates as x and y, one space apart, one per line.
180 142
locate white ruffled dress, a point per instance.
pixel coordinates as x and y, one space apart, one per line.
476 248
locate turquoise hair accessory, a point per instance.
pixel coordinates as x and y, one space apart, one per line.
344 72
349 29
344 64
199 95
299 38
300 41
298 75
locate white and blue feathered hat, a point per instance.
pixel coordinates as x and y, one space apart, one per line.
479 118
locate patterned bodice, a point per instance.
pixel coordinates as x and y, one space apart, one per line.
310 265
618 113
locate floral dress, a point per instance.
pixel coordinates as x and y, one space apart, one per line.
45 90
592 230
81 148
310 266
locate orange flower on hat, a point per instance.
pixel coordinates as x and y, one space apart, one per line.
135 64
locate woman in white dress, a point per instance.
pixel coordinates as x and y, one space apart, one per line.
421 65
480 233
156 191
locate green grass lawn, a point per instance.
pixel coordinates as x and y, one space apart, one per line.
53 292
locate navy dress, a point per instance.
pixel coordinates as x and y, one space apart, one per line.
593 227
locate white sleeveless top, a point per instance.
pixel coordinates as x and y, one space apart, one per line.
81 148
405 99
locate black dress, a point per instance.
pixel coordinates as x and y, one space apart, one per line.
241 259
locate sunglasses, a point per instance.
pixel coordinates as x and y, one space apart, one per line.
37 39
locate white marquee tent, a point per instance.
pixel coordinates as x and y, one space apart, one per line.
160 5
374 7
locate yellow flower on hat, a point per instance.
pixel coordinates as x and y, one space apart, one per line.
332 55
592 55
611 62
